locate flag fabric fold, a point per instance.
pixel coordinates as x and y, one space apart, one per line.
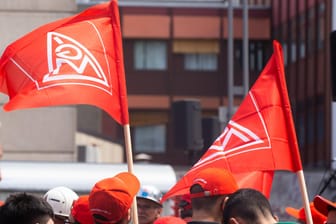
75 60
259 138
260 180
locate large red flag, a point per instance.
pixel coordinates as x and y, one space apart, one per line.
76 60
260 180
261 134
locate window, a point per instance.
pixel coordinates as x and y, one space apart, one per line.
300 124
238 56
285 53
260 60
252 57
320 26
320 123
293 52
256 56
150 55
311 38
293 40
302 36
200 62
150 138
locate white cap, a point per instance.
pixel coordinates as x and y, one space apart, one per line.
61 199
151 193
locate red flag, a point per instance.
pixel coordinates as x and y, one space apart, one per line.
76 60
259 180
260 136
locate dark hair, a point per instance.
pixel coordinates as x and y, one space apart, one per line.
247 204
185 213
185 209
203 203
23 208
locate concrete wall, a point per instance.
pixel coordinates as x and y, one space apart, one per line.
18 17
99 150
39 134
44 133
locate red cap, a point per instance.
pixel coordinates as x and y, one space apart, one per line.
214 181
300 214
112 197
80 210
169 220
322 205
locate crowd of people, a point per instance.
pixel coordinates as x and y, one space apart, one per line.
214 198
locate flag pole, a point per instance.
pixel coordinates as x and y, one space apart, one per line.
293 141
304 195
129 157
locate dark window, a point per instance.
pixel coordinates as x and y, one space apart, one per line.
150 55
201 62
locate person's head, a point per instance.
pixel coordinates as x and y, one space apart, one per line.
110 199
148 204
208 191
326 208
185 208
169 220
300 214
60 199
80 212
248 206
22 208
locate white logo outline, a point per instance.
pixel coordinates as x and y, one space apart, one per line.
241 132
87 59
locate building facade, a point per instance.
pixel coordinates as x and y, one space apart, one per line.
303 28
193 64
177 50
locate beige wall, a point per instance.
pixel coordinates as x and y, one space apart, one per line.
44 133
18 17
38 134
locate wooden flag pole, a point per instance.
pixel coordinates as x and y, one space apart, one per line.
305 198
129 157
